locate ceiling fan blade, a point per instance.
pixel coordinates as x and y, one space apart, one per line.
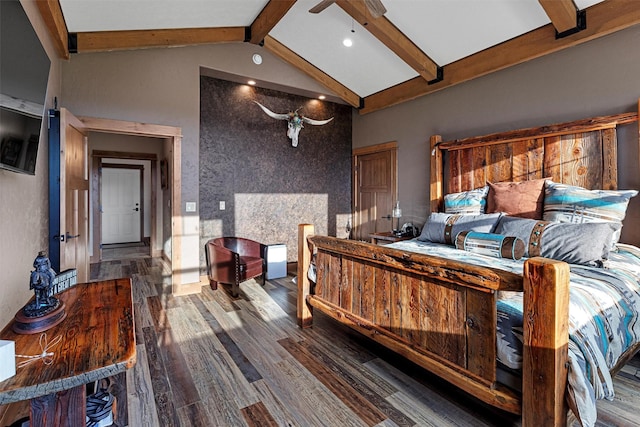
376 8
321 6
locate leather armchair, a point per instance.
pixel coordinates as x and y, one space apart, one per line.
233 260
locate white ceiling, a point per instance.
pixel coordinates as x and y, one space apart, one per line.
445 30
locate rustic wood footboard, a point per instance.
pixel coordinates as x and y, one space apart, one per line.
441 314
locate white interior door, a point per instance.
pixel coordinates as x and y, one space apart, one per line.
121 208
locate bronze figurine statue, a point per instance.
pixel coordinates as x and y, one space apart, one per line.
41 281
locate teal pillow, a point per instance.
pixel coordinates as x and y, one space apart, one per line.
472 202
567 203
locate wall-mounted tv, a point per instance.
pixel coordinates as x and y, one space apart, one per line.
24 72
20 134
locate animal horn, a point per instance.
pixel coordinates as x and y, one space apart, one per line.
316 122
272 114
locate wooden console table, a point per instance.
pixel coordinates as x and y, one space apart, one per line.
98 341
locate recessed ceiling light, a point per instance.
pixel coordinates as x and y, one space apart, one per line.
321 97
257 58
252 82
347 42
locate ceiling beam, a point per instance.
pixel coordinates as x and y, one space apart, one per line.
391 37
287 55
51 13
268 18
603 19
563 14
100 41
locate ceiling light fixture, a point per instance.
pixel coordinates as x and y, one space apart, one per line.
257 58
252 82
347 41
322 97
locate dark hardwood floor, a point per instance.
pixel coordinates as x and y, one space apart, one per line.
212 360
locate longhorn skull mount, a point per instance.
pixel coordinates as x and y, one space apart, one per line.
295 122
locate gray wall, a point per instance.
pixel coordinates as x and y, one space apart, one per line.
596 78
24 203
268 186
162 86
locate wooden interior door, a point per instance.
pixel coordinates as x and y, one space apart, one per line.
375 189
69 195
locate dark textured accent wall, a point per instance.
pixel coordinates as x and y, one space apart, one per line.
268 186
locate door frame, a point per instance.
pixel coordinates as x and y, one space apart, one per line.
372 149
174 135
96 191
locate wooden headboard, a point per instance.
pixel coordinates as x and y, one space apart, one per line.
582 153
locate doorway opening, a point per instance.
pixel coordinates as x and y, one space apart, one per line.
126 219
171 137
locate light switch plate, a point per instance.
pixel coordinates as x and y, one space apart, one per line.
223 205
190 206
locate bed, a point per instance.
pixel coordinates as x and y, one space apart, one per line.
442 311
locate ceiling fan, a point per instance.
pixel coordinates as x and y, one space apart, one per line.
375 7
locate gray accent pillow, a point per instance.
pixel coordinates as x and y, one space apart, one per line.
585 244
436 226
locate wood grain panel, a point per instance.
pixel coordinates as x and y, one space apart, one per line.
332 286
585 154
480 330
443 321
346 283
545 360
370 391
610 159
356 287
383 299
454 179
467 168
479 167
257 415
161 390
367 292
519 161
395 308
360 406
535 159
411 317
552 158
322 263
499 163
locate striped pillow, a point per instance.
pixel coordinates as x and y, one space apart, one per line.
443 228
567 203
490 244
472 202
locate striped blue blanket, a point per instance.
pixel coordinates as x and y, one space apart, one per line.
604 318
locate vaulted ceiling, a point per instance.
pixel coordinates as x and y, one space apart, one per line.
415 48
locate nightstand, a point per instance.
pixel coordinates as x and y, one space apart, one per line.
386 238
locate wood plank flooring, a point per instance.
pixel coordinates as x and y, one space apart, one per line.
212 360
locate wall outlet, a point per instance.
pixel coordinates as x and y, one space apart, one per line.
190 206
223 205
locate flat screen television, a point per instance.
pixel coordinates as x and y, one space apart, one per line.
24 72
